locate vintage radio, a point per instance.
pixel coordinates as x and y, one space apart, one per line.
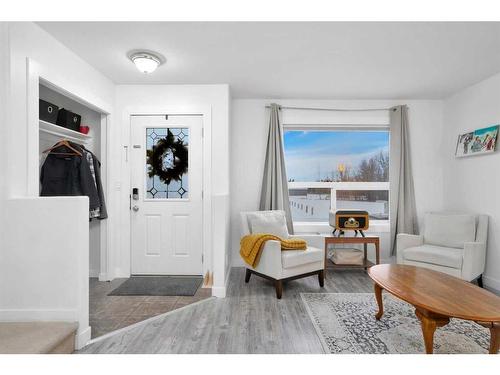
355 220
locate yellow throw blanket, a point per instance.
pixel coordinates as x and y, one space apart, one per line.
251 246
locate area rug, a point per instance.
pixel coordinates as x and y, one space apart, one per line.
158 286
345 323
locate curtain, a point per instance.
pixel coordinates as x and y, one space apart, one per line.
274 193
403 216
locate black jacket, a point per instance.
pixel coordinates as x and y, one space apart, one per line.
100 191
63 175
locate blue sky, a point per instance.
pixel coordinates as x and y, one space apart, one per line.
311 155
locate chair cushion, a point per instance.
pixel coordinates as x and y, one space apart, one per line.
438 255
449 230
295 258
272 222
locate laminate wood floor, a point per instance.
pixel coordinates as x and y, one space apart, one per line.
249 320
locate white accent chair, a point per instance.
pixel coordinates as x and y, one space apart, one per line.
451 243
277 265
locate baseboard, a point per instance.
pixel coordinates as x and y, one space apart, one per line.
220 291
241 263
391 260
27 315
120 274
94 273
491 283
82 338
238 262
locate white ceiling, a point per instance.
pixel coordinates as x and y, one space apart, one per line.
328 60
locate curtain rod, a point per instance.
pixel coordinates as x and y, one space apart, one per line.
334 109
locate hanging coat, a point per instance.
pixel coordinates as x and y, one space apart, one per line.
68 175
97 174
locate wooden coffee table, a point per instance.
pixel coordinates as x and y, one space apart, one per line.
437 297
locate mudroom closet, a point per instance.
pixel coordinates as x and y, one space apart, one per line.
78 127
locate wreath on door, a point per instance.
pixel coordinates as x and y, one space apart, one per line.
168 159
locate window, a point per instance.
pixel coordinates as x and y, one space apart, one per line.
337 169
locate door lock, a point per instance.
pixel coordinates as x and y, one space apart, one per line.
135 208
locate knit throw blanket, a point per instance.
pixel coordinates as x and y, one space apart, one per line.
251 246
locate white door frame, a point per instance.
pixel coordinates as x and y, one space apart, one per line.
206 114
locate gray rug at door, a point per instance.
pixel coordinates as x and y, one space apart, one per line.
158 286
345 323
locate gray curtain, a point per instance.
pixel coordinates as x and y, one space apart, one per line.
403 215
274 193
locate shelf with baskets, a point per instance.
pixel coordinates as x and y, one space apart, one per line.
55 132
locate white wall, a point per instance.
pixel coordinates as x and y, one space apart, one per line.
472 183
65 69
4 104
249 127
44 262
54 60
130 98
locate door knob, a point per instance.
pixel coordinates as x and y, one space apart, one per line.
135 208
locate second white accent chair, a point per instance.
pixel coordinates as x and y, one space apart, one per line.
277 265
451 243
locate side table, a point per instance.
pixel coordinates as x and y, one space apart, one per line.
353 240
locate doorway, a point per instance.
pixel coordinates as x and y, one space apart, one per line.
166 200
166 218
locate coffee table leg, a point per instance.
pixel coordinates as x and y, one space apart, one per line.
429 324
495 338
378 296
428 328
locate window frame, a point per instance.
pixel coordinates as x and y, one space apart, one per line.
308 226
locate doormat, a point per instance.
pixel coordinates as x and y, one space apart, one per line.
345 323
159 286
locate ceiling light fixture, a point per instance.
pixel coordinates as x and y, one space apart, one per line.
146 62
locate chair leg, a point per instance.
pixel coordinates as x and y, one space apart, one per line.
279 288
480 281
321 278
247 275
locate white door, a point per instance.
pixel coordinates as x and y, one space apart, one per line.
166 204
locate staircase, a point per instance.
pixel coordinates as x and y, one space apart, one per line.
37 337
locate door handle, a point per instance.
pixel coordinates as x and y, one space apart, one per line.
135 208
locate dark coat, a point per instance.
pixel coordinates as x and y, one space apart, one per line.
100 191
63 175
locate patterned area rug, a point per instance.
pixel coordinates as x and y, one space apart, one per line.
345 323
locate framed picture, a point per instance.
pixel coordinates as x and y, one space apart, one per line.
480 141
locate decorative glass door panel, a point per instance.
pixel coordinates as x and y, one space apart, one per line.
167 161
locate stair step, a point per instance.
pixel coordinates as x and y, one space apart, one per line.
37 337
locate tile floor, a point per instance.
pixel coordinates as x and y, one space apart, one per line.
109 313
